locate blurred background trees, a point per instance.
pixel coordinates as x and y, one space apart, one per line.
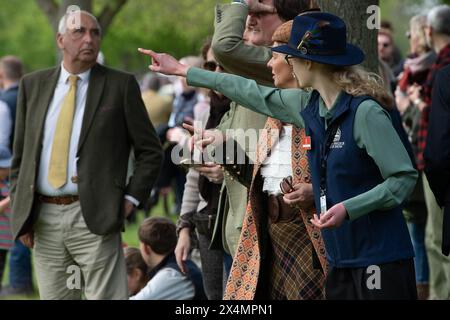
175 26
355 15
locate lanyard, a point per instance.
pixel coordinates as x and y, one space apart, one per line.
324 152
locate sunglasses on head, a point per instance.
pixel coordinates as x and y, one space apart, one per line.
211 66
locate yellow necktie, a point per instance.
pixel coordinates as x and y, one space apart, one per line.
57 173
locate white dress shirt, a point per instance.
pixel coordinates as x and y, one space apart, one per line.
278 165
61 90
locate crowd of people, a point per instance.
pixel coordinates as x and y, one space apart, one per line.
296 173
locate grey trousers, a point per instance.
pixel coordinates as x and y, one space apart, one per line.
72 262
212 269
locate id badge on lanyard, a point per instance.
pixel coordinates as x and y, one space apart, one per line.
323 203
331 133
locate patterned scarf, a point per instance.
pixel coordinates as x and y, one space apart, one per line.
416 70
246 270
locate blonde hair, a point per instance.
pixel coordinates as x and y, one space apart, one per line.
417 25
356 81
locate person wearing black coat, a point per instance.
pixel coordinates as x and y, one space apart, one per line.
437 152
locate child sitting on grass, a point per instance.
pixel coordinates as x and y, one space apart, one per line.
157 236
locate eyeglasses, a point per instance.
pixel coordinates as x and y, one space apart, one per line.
211 66
287 57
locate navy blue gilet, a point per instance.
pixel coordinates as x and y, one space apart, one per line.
193 273
376 238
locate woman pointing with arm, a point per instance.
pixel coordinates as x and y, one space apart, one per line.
361 172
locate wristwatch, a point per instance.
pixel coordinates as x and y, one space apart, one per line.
239 1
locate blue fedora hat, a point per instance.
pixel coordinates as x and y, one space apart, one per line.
321 37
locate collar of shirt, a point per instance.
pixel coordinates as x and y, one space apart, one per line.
64 77
326 113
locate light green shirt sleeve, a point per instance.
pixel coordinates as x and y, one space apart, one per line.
281 104
374 132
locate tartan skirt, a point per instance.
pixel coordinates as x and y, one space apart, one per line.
292 276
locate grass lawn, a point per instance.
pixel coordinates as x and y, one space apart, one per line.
129 237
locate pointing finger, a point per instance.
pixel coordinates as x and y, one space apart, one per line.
147 52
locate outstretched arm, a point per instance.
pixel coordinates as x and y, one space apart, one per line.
284 105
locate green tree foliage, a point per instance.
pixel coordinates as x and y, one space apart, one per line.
175 26
25 32
399 12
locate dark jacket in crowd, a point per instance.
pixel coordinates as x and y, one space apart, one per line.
437 152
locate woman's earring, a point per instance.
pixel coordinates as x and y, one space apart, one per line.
294 76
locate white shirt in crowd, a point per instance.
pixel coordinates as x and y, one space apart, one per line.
278 165
167 284
5 125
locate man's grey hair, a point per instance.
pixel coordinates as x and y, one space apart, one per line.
439 19
62 26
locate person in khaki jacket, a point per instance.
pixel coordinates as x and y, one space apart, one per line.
247 60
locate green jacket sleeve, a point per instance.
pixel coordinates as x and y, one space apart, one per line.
284 105
227 119
230 50
374 132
